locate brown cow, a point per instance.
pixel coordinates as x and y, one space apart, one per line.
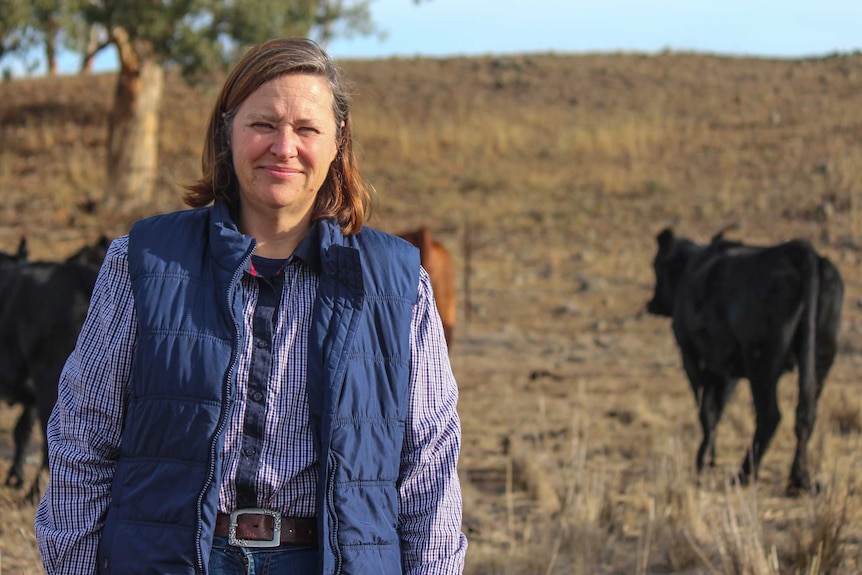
437 261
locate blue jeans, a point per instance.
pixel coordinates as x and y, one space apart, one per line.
229 560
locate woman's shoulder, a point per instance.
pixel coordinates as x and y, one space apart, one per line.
376 237
118 248
381 249
169 219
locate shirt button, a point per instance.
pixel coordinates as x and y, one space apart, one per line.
261 344
257 396
248 451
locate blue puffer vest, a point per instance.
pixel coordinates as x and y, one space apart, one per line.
185 269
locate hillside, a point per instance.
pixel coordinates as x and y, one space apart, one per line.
548 177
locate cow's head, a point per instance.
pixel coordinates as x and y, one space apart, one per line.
20 256
669 263
91 255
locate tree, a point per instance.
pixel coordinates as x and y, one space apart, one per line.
26 25
194 35
45 16
15 32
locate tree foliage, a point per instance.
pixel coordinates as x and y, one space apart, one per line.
16 34
51 25
149 35
202 34
192 34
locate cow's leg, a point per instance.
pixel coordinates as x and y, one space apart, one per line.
21 434
715 391
711 392
709 412
46 375
806 413
768 416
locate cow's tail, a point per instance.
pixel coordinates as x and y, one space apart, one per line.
806 347
830 300
806 351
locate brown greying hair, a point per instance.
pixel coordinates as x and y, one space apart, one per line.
344 194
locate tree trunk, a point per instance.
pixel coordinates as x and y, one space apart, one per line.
93 46
133 126
51 54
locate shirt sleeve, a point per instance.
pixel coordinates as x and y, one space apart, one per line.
430 509
85 426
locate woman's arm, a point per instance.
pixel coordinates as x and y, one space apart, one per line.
85 426
430 509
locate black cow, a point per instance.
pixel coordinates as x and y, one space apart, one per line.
16 393
92 254
18 257
42 309
751 312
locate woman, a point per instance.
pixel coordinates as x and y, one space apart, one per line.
261 381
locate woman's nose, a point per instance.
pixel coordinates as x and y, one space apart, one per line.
284 143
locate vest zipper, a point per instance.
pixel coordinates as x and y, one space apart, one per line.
330 499
225 398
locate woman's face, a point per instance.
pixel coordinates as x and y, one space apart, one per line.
282 143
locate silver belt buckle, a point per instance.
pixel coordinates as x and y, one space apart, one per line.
276 528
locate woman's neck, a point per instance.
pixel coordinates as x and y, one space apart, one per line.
276 237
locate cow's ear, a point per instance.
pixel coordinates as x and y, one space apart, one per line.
665 237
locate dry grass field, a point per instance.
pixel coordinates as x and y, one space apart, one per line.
548 177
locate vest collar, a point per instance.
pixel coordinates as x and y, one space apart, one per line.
229 246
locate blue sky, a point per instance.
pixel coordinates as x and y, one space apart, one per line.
769 28
438 28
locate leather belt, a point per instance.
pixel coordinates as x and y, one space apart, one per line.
265 528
